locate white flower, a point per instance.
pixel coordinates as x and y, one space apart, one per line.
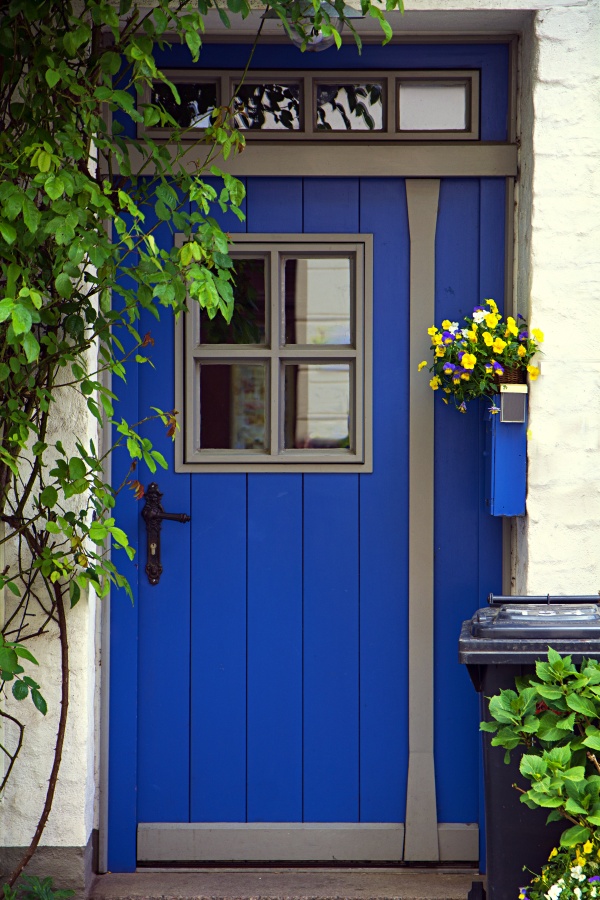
479 315
577 892
576 872
554 892
453 328
464 332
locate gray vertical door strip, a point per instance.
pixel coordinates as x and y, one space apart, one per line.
421 832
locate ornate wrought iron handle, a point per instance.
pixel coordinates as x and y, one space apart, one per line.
153 515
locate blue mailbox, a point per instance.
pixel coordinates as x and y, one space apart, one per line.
506 453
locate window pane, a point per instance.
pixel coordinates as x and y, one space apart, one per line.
233 406
317 406
247 324
433 107
197 102
349 107
318 300
267 107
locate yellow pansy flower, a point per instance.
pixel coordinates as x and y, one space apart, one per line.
533 372
468 361
498 345
436 339
465 376
511 326
588 847
521 351
492 305
440 351
446 324
491 320
488 340
538 335
433 330
553 853
435 382
581 860
472 335
422 365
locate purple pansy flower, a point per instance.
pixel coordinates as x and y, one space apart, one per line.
497 368
448 368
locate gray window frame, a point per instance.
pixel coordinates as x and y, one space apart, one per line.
391 80
189 353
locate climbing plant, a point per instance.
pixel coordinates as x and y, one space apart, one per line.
78 264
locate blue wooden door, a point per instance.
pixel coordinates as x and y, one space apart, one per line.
266 675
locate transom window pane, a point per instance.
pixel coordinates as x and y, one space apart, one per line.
248 322
267 107
198 101
318 300
433 107
317 406
349 107
233 406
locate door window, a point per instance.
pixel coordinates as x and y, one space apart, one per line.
286 383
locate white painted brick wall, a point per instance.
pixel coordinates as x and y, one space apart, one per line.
559 545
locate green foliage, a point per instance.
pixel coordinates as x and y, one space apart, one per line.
31 887
554 715
75 199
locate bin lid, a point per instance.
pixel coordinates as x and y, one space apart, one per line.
526 621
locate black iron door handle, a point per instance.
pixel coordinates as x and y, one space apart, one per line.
153 515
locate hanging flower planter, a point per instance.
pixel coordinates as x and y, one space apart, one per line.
491 357
473 360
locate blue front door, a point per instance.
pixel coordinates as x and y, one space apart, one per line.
264 679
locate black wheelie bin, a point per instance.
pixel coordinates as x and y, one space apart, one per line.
501 641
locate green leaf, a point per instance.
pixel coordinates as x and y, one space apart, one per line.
23 653
31 347
74 592
492 727
533 767
21 319
581 705
19 690
64 285
49 496
39 702
53 528
592 741
77 468
8 660
8 232
576 835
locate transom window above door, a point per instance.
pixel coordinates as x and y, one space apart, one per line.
286 385
431 104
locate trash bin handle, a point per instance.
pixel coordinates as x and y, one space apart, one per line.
495 600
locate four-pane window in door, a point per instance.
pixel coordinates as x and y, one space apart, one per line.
286 384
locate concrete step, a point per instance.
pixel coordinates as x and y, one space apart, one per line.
286 884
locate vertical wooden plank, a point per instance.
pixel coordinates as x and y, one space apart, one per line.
275 648
331 591
384 517
421 841
122 765
274 588
218 637
218 734
457 467
163 750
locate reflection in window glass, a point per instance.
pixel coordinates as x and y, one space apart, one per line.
317 406
433 107
267 107
233 407
197 103
349 107
247 324
318 300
